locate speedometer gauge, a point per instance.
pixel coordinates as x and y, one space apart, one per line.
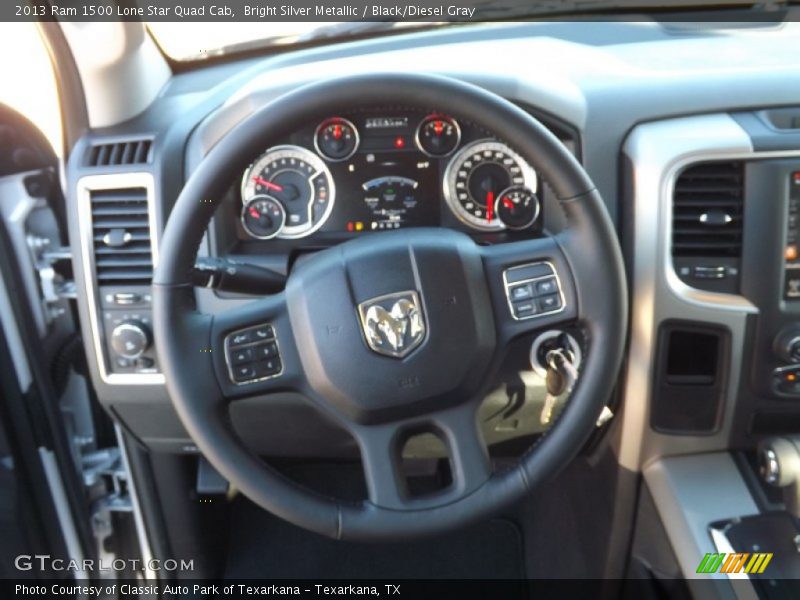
477 175
299 181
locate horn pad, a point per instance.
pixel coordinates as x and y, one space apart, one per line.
393 324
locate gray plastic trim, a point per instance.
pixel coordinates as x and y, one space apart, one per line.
687 505
14 339
85 186
658 151
63 513
16 207
138 517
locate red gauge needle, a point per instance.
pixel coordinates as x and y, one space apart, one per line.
254 213
489 206
268 184
508 203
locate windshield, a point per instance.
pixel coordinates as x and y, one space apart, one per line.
194 41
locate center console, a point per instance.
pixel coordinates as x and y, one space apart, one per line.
716 341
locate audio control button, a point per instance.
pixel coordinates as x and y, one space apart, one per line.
252 354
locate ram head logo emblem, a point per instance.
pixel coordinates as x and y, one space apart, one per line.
393 324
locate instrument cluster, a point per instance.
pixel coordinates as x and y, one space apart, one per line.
381 170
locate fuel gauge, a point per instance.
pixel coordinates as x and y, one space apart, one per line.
517 207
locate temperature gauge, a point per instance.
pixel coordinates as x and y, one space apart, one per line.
517 208
263 217
336 139
438 135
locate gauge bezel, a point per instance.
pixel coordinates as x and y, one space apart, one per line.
327 122
246 205
291 232
530 181
424 120
514 188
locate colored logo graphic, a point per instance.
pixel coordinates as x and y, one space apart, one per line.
741 562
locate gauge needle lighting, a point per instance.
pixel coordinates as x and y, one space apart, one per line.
489 206
508 203
254 213
268 184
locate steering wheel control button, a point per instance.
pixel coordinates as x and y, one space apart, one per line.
546 286
523 310
263 333
533 290
521 292
252 354
265 351
549 303
244 373
240 338
268 368
241 356
528 272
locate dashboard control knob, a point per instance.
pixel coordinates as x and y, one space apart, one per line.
130 339
787 345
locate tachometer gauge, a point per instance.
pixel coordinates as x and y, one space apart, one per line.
477 175
517 207
336 139
299 180
263 217
438 135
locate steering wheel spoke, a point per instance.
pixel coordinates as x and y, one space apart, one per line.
253 349
382 449
531 284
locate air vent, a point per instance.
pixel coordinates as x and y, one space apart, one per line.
121 233
133 152
707 210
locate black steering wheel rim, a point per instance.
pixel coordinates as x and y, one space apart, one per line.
591 258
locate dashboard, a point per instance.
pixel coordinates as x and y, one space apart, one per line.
382 169
634 102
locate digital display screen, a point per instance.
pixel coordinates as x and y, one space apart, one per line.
381 191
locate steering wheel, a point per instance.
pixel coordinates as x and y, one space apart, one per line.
450 291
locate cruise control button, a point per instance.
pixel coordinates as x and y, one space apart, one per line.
266 351
241 356
241 337
244 373
524 309
548 303
546 287
520 292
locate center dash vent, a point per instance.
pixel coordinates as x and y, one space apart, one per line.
707 210
121 234
131 152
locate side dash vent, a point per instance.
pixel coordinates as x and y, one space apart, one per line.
121 236
707 225
707 210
